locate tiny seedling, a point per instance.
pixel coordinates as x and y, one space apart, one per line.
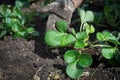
110 44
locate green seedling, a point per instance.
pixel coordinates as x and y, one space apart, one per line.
75 59
15 23
111 44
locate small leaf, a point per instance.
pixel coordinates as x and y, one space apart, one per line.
30 30
74 70
85 60
81 35
61 25
22 33
73 31
35 33
108 52
2 33
15 27
110 38
79 44
100 36
71 56
89 29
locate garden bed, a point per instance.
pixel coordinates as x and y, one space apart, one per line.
32 59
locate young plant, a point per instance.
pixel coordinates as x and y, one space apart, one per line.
15 23
110 44
76 59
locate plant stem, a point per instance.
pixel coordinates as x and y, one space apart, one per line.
81 25
101 45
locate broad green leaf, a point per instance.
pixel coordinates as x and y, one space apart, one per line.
71 56
81 35
50 38
2 33
100 36
79 44
89 16
108 52
85 60
74 70
65 40
61 26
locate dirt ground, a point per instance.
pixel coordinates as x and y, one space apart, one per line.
33 60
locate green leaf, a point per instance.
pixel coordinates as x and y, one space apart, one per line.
17 12
89 16
61 25
73 31
79 44
65 40
18 3
71 56
100 36
81 13
89 29
15 27
7 12
85 60
110 38
8 20
81 35
1 27
108 52
30 30
85 16
74 70
23 34
2 33
50 38
35 33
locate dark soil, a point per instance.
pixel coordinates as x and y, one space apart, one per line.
22 59
33 60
